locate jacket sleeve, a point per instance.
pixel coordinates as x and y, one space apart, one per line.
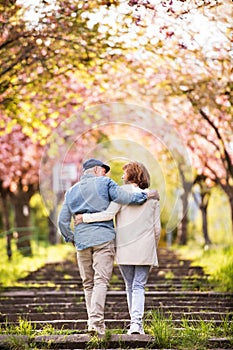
157 222
64 220
104 215
118 195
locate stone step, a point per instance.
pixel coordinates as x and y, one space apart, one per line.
117 281
68 273
81 341
111 306
12 293
114 297
61 315
117 301
167 286
160 288
179 281
53 296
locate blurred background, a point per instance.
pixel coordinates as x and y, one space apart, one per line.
116 80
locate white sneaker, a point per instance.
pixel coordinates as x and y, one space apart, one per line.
135 328
96 330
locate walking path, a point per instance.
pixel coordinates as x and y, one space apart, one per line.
53 297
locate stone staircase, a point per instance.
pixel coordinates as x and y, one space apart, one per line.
53 297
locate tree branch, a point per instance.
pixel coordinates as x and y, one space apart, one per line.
226 159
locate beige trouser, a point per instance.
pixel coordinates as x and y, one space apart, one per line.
95 267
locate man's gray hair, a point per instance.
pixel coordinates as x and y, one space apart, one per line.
90 170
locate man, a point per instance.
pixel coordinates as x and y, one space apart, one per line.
95 242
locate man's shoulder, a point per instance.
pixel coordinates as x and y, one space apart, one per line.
104 179
72 188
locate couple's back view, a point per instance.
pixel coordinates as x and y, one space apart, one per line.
138 231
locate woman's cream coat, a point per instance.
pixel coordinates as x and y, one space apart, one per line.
138 230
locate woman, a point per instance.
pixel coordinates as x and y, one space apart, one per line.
138 231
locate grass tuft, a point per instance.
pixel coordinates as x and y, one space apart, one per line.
190 335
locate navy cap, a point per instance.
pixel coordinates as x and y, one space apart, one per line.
91 163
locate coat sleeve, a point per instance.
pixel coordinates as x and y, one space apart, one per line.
119 195
157 222
104 215
64 221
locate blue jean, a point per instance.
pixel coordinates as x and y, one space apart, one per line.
135 278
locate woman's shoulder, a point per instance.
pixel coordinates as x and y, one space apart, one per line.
131 188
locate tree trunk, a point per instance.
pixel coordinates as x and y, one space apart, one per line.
205 196
22 221
182 232
54 237
205 224
202 201
52 228
6 221
182 227
20 201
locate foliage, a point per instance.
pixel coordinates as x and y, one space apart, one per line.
20 267
39 217
21 158
45 46
225 274
221 273
219 263
173 57
219 223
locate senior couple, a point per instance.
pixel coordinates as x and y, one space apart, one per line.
93 203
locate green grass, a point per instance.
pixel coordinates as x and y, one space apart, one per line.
27 328
18 336
96 342
217 262
160 328
190 335
193 336
22 328
22 336
20 266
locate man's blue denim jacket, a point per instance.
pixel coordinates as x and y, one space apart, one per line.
93 194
